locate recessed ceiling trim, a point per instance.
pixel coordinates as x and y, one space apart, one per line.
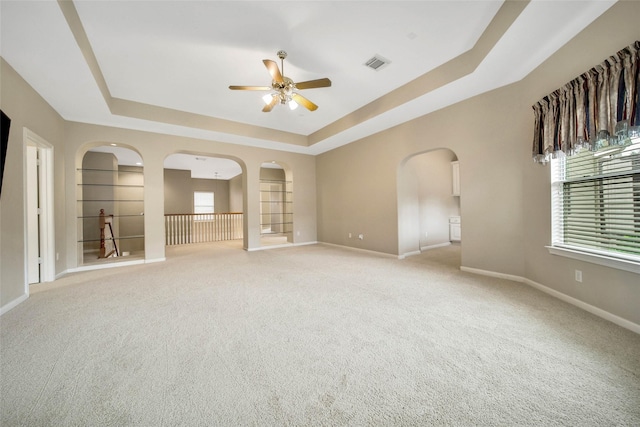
133 109
123 107
455 69
352 126
433 79
75 25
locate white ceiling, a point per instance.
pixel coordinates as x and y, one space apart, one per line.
183 55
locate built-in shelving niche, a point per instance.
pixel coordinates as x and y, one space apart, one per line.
117 190
276 206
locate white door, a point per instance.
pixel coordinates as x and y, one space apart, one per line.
33 228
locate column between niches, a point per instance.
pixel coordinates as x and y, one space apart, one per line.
154 239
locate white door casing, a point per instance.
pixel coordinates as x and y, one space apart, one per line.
33 228
45 196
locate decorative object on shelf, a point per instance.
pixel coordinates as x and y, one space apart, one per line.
106 221
597 111
283 88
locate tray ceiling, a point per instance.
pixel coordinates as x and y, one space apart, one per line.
165 66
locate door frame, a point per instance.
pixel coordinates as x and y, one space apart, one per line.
46 220
34 265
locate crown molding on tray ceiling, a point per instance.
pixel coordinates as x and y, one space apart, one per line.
452 70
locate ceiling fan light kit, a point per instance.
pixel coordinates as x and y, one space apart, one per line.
283 89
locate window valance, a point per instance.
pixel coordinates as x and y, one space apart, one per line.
596 110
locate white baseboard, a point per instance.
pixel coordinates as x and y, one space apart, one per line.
98 267
424 248
493 274
587 307
114 265
403 256
315 242
8 306
103 266
284 245
627 324
439 245
360 250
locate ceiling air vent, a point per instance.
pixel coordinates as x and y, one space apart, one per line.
377 62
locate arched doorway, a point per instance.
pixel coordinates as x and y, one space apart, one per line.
428 205
203 199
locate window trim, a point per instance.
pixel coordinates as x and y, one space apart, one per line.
611 259
213 202
595 258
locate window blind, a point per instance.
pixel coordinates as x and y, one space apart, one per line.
596 202
203 202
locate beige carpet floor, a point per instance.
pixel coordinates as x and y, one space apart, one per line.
309 336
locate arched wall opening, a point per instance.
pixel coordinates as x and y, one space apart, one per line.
204 198
276 204
110 204
428 201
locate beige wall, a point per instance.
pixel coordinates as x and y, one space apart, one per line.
179 188
505 203
178 197
220 189
357 194
358 183
26 109
272 174
235 194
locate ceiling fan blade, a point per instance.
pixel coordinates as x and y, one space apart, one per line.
269 106
314 83
249 87
273 70
304 102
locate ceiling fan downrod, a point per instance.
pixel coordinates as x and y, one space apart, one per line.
282 54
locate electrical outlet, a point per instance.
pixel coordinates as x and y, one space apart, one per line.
350 236
579 276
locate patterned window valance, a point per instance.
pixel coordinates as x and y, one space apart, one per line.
593 107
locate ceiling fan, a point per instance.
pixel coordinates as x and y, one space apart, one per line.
283 89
